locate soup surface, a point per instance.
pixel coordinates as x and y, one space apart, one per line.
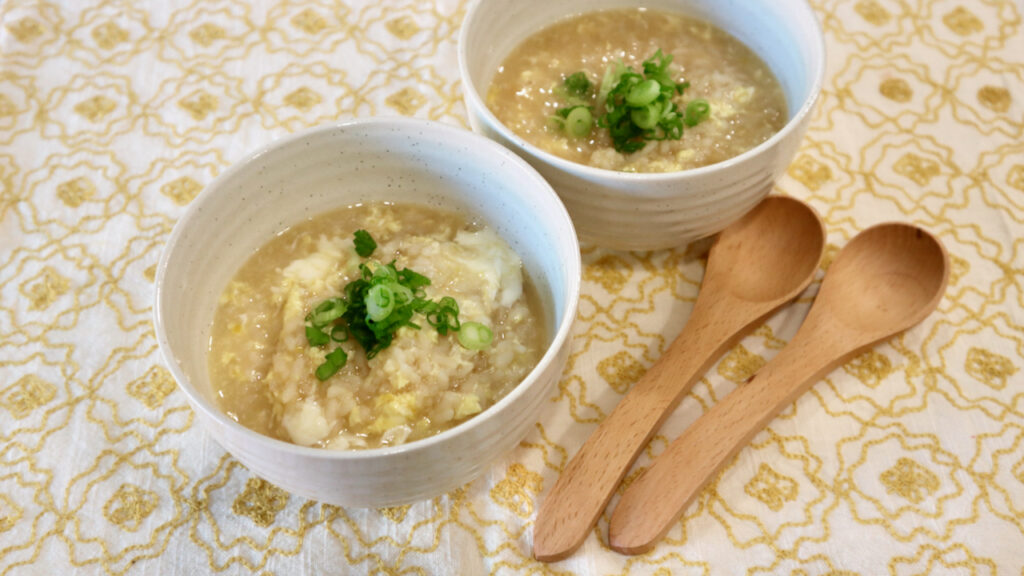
263 367
747 105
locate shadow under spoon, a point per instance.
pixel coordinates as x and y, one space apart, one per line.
756 265
886 280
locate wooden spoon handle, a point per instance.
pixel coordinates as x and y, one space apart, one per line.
586 485
656 500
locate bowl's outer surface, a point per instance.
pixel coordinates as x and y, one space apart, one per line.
652 211
397 160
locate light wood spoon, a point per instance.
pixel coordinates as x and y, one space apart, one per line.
886 280
756 265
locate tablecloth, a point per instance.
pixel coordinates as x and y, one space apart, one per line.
114 115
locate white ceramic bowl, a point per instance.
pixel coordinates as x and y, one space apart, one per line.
397 160
652 211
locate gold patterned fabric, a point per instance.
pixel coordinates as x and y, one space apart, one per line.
114 115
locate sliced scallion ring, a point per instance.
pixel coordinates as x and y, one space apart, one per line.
475 336
643 93
579 122
380 301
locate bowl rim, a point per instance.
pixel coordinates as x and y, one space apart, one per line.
625 178
573 270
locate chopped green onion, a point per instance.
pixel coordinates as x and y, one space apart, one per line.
577 84
412 280
696 112
643 93
374 307
316 336
579 122
611 78
638 107
327 312
444 315
333 362
646 118
475 336
380 301
365 244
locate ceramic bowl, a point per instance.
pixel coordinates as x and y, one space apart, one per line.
398 160
651 211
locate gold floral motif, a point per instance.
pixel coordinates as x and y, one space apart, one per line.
403 27
51 286
991 369
872 12
995 98
896 89
150 273
771 488
609 272
395 513
25 30
958 267
406 101
1018 471
910 480
309 21
153 387
739 364
962 21
129 506
76 191
303 99
917 168
620 371
810 172
181 190
517 490
957 559
1015 177
10 513
7 107
95 108
27 394
260 501
108 35
199 105
871 368
207 33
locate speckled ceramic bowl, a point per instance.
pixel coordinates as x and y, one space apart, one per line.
650 211
397 160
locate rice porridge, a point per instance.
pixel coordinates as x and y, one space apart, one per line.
745 102
266 372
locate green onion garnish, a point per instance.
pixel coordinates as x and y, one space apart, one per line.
380 301
638 107
577 84
365 245
376 305
333 362
643 93
316 336
475 336
579 122
696 111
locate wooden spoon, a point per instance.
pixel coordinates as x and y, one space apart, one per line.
886 280
757 264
